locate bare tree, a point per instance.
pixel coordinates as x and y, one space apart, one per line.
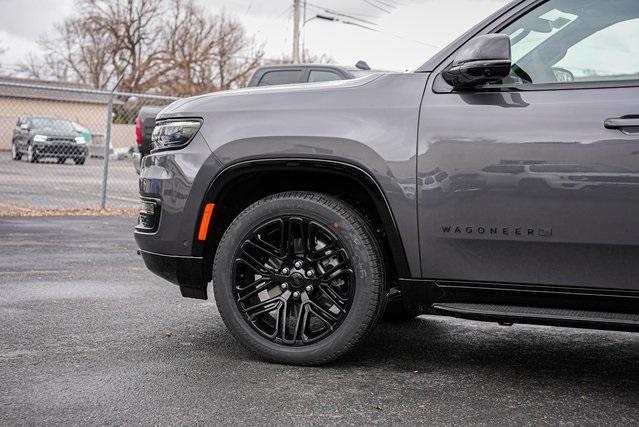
79 51
307 58
154 45
207 53
130 28
237 56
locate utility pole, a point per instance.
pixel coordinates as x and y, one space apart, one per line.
296 30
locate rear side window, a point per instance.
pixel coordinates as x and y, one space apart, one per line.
322 76
282 77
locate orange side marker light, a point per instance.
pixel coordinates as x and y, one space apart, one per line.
206 220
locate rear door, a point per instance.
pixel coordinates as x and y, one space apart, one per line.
565 127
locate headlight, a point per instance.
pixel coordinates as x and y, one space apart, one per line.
80 140
174 133
39 138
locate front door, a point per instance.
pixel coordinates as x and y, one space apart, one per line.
543 168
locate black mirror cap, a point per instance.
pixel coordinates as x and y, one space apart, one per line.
362 65
483 60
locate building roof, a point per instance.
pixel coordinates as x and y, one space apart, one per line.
12 87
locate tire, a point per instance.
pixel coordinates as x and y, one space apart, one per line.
355 255
32 157
15 153
79 160
61 160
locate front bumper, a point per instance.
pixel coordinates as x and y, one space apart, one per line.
173 187
61 150
184 271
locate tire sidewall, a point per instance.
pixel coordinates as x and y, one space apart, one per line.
363 263
31 154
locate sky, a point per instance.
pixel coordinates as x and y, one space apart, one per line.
407 32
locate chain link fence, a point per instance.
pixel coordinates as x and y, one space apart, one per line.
68 148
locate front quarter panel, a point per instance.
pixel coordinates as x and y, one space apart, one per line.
369 122
178 180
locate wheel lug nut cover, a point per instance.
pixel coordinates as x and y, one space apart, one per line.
285 270
296 294
284 285
309 288
309 273
298 264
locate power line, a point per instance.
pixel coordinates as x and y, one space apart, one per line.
375 5
337 13
355 15
383 3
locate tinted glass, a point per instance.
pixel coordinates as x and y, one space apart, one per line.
576 41
280 77
322 76
51 123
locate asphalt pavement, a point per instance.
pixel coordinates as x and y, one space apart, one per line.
89 336
26 186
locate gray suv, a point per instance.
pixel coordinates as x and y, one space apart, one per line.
296 202
38 137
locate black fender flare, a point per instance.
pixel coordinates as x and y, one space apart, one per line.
235 170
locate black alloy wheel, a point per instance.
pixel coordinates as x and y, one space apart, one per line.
298 278
293 280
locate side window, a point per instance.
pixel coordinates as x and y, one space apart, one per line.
281 77
575 41
322 76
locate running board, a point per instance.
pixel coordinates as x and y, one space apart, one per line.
509 314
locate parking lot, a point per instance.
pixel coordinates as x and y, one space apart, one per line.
90 336
47 185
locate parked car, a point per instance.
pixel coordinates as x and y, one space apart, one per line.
280 74
144 124
39 137
297 202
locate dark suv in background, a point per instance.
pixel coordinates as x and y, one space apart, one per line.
269 75
42 137
297 202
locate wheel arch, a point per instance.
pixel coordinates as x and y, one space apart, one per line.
234 188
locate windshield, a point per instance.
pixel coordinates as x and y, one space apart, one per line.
51 123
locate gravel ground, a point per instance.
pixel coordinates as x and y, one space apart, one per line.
90 337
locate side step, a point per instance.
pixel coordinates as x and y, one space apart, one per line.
508 314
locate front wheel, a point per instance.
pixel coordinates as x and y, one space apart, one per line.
32 157
15 153
298 278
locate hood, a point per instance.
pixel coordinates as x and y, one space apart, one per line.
52 132
249 98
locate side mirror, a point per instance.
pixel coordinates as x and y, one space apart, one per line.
484 59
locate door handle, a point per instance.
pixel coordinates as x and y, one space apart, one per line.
622 122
